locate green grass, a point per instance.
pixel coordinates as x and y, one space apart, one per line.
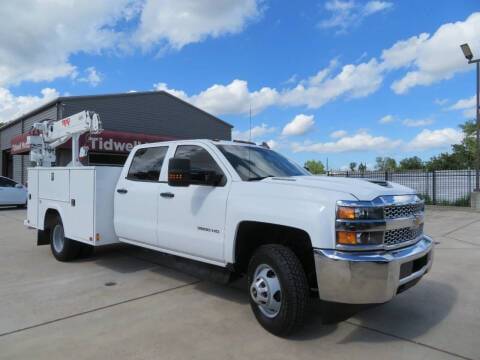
465 201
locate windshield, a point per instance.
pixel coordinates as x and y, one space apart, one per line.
256 163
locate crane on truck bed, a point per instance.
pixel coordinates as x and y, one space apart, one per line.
46 136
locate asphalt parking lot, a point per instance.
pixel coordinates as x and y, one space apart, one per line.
53 310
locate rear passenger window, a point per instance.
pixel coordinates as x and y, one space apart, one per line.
147 163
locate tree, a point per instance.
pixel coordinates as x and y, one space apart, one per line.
362 168
385 164
462 155
315 167
411 163
352 165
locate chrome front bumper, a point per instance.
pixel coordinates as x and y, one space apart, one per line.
371 277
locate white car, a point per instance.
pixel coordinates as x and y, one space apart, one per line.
12 193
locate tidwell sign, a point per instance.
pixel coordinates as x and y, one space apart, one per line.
111 145
107 141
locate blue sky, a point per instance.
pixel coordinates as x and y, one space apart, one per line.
319 75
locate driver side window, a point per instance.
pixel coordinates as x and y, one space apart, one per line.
200 162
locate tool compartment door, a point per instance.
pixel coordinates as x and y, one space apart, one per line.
79 222
32 205
53 184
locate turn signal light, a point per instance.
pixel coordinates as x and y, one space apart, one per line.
346 212
346 238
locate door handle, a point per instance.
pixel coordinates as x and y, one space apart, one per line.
122 191
167 195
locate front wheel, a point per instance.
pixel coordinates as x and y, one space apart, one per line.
63 249
278 289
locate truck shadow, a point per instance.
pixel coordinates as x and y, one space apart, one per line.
407 316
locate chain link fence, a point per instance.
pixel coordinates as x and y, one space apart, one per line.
441 187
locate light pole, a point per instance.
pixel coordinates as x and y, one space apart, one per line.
469 56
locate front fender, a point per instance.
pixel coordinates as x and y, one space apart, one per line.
300 207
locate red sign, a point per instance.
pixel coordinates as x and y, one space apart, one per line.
107 141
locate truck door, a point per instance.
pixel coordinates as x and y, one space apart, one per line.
191 220
136 196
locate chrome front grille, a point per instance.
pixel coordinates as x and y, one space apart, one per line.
399 236
400 211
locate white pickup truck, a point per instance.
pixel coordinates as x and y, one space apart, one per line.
245 209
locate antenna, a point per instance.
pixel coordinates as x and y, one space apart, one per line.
250 139
250 115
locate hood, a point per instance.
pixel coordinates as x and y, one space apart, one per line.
362 189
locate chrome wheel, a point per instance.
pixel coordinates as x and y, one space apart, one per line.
58 238
266 291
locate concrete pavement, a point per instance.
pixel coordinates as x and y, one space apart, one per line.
53 310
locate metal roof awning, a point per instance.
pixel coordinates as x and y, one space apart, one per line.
107 141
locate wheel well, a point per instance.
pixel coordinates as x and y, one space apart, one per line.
50 217
252 234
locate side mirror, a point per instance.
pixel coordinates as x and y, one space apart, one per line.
19 186
179 172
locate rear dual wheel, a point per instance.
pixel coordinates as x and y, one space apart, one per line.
279 290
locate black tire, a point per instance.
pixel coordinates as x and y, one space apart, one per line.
294 289
23 206
70 248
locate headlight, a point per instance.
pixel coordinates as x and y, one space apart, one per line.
359 223
359 213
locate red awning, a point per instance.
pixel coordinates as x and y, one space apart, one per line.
108 141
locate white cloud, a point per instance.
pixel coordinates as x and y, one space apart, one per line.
56 30
234 98
178 23
466 105
300 125
92 76
161 86
417 122
12 106
373 7
463 104
404 52
364 141
255 133
352 81
361 141
440 102
430 139
338 134
387 119
38 37
344 14
434 58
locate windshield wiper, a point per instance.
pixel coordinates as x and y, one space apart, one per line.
258 178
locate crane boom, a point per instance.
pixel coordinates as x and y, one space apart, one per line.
48 135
